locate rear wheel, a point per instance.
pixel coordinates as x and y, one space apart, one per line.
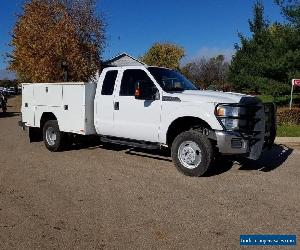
52 136
192 153
4 109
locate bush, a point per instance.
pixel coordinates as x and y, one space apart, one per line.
286 116
266 98
281 101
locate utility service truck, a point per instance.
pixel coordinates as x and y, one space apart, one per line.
150 107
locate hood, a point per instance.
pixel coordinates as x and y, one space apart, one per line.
213 96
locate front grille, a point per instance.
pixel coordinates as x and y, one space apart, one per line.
248 119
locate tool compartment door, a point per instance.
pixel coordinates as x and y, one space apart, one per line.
28 104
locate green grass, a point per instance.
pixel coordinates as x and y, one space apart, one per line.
287 130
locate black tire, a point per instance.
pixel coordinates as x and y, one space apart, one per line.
59 141
4 108
206 152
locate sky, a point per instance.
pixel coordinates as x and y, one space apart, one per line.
203 27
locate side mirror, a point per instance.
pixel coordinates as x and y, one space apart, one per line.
145 91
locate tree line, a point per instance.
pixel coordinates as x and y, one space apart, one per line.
52 37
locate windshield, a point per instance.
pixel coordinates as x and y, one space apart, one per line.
171 80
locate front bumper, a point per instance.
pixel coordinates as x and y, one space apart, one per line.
231 143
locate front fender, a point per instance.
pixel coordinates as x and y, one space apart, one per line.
170 113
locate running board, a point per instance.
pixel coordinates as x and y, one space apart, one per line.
130 143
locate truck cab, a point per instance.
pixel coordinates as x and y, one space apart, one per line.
145 106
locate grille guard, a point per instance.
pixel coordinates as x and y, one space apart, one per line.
259 127
270 124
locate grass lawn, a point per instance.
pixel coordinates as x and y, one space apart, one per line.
286 130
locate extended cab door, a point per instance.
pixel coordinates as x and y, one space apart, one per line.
104 102
133 118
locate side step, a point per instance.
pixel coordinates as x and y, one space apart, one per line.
130 143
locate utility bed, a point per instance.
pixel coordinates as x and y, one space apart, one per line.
71 102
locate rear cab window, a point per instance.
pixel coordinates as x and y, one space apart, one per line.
109 82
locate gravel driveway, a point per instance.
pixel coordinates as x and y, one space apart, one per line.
107 197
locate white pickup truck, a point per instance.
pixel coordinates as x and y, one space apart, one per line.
150 107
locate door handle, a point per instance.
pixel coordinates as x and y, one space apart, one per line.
116 106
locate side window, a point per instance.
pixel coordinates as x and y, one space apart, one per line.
130 78
109 82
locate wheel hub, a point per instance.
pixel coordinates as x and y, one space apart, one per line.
189 154
50 136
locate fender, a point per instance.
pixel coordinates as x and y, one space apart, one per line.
204 111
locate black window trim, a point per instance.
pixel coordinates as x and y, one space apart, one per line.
115 83
145 70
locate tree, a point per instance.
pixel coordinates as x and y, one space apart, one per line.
164 55
291 9
208 73
266 62
258 24
52 36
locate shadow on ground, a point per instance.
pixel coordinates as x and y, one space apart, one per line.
269 160
9 114
162 155
93 142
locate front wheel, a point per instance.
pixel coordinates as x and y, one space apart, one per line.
192 153
52 136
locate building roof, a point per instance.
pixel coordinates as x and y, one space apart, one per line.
123 59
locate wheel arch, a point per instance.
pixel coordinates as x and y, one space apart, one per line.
182 124
46 116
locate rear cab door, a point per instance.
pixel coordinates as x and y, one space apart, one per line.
104 101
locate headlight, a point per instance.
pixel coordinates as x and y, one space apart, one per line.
228 116
230 124
229 111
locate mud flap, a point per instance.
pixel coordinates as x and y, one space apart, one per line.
35 134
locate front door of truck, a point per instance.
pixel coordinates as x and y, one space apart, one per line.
133 118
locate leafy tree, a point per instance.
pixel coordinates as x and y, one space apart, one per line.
164 55
52 36
266 62
208 73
